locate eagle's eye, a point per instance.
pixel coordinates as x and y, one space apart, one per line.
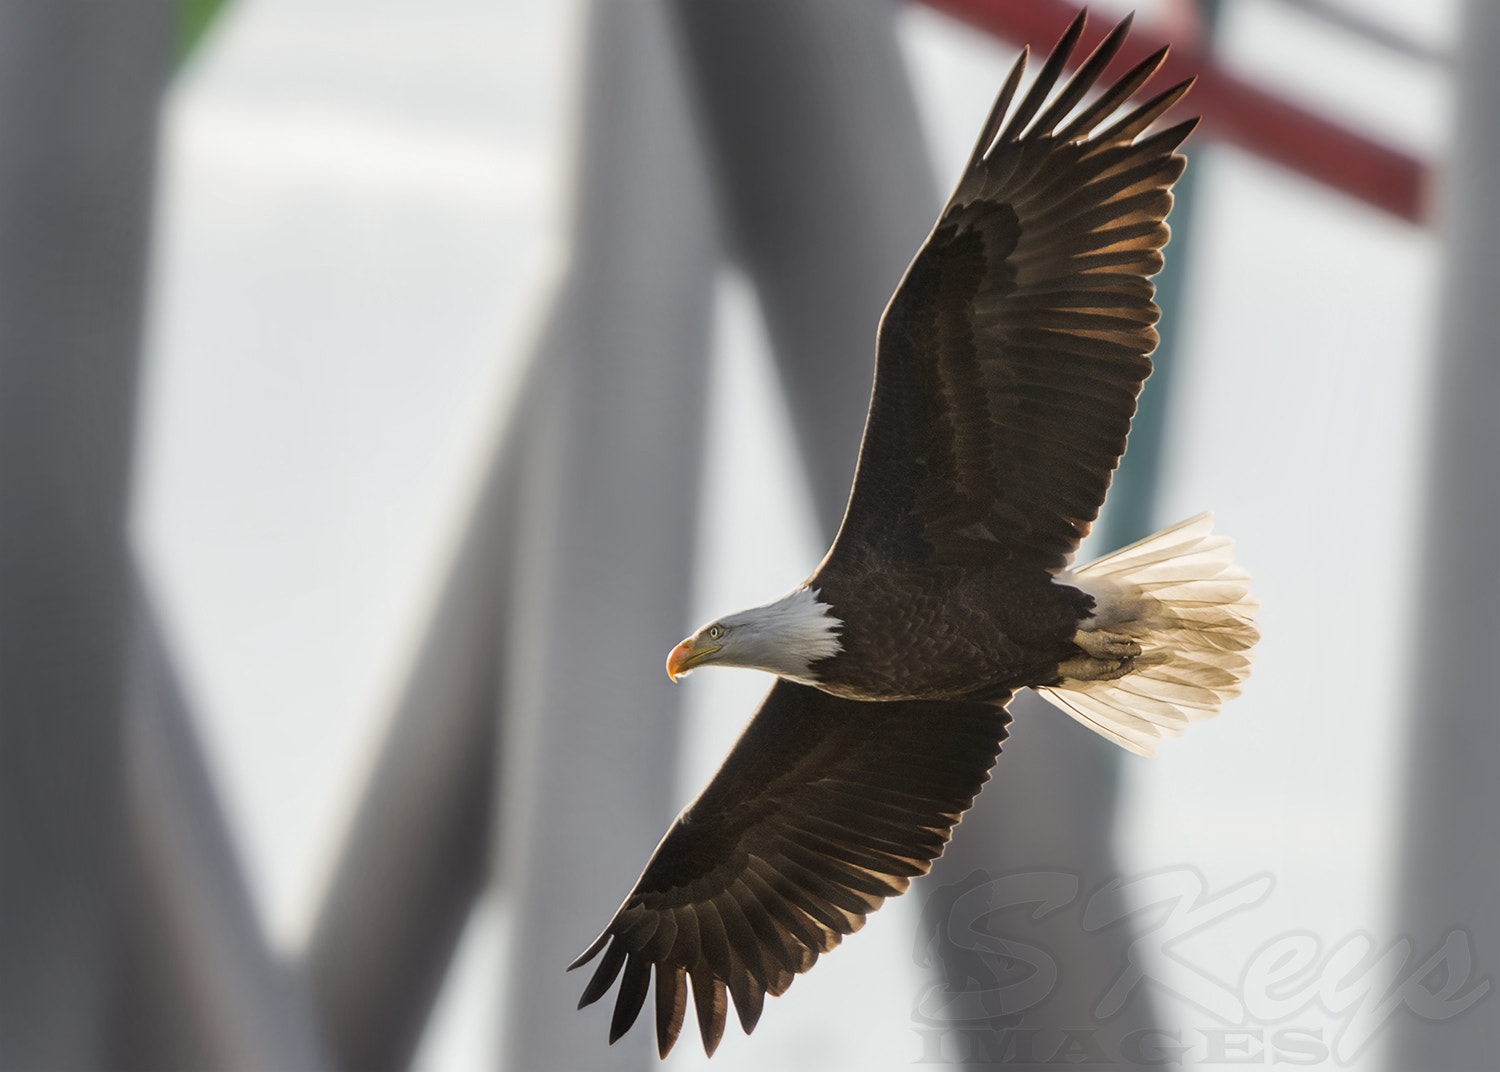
715 632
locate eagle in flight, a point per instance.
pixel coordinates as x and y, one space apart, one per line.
1007 368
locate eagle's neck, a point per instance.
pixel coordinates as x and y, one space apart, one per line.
787 637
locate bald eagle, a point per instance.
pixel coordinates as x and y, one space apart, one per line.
1007 368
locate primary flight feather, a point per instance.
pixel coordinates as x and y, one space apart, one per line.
1007 368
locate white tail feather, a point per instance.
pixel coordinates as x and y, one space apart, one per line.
1181 597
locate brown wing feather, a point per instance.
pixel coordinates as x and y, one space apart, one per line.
823 808
1010 358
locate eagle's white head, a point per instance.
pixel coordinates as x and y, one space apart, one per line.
783 638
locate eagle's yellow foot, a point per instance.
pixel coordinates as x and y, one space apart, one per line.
1088 668
1106 656
1110 647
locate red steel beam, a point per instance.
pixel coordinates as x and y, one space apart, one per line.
1233 110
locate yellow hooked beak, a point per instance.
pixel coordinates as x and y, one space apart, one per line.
685 656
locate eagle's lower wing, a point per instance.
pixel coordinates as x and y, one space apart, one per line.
823 809
1011 355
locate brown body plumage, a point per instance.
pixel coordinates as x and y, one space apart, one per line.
947 633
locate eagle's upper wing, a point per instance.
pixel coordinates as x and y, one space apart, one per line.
823 808
1011 355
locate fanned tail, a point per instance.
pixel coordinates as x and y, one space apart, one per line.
1181 597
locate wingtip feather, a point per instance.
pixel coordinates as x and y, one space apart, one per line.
604 976
590 953
671 1007
709 1005
634 988
1046 79
996 118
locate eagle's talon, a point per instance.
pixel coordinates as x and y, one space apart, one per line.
1088 668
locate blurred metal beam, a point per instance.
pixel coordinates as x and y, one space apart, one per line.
827 190
1450 873
827 182
609 524
1351 20
198 986
418 854
79 88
